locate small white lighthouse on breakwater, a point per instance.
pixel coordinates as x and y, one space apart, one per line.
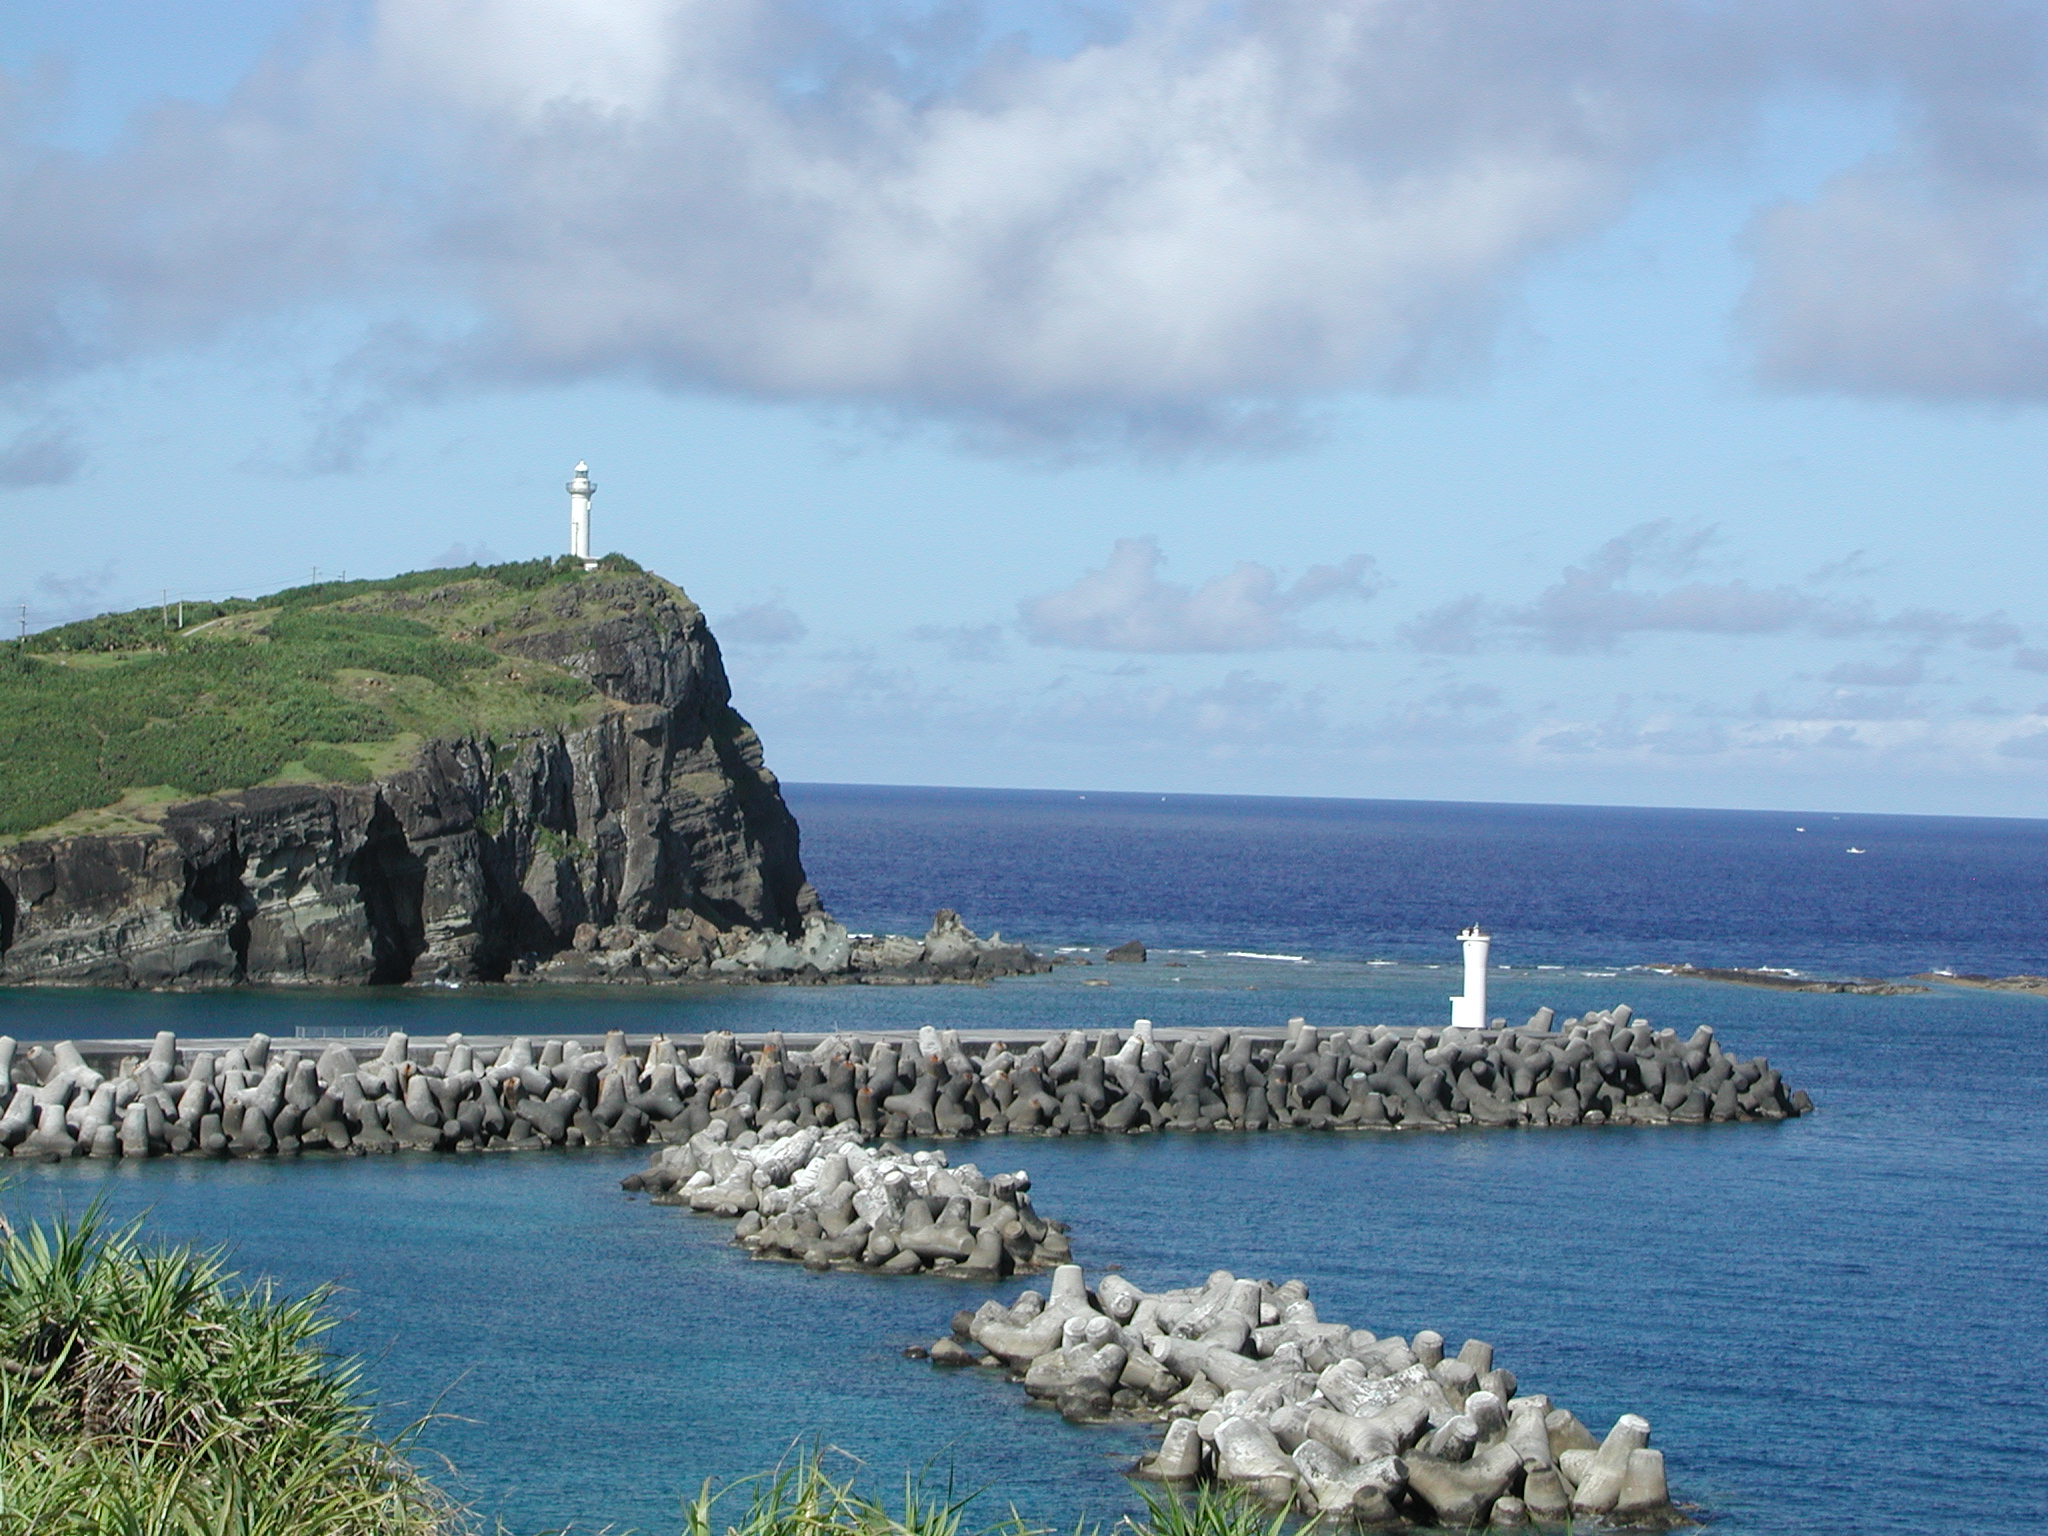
1469 1011
581 489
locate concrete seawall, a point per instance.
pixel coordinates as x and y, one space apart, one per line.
263 1097
1260 1393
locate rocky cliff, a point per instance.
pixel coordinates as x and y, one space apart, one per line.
652 841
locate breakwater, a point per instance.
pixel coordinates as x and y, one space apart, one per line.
827 1201
1260 1393
259 1097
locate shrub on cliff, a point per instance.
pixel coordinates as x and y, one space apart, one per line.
142 1391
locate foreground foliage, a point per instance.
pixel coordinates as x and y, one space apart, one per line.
800 1498
142 1392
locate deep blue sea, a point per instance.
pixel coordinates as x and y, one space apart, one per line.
1835 1323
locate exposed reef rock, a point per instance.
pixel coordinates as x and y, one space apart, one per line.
2021 983
651 843
827 1201
1791 981
1261 1394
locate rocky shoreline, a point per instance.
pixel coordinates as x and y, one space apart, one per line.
826 954
263 1098
1334 1422
650 844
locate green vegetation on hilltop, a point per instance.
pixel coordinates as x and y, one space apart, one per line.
143 1392
254 689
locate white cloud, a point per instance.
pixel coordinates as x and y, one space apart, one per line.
46 452
59 599
769 623
1241 712
1904 672
1177 232
1905 279
1124 606
459 554
525 57
1594 607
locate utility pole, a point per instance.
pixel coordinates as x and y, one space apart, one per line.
167 607
316 575
181 613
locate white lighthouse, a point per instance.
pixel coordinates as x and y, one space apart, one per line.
1469 1011
581 489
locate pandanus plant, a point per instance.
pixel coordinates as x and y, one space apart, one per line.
143 1391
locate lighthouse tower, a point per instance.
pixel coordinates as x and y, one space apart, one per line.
581 489
1469 1011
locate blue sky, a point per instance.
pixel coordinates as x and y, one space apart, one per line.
1630 403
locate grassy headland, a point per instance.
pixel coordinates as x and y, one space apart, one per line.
328 683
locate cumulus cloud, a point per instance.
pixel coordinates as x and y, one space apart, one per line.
1126 607
1242 711
46 453
1854 566
769 623
1596 606
1456 715
1885 735
458 554
1902 279
1176 230
1905 672
60 598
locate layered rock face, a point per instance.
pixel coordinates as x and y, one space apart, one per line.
658 819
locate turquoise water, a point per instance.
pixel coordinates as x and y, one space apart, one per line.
1833 1323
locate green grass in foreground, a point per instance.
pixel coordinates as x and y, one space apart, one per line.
801 1499
254 689
144 1393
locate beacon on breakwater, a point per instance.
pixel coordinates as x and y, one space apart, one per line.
581 489
1469 1011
